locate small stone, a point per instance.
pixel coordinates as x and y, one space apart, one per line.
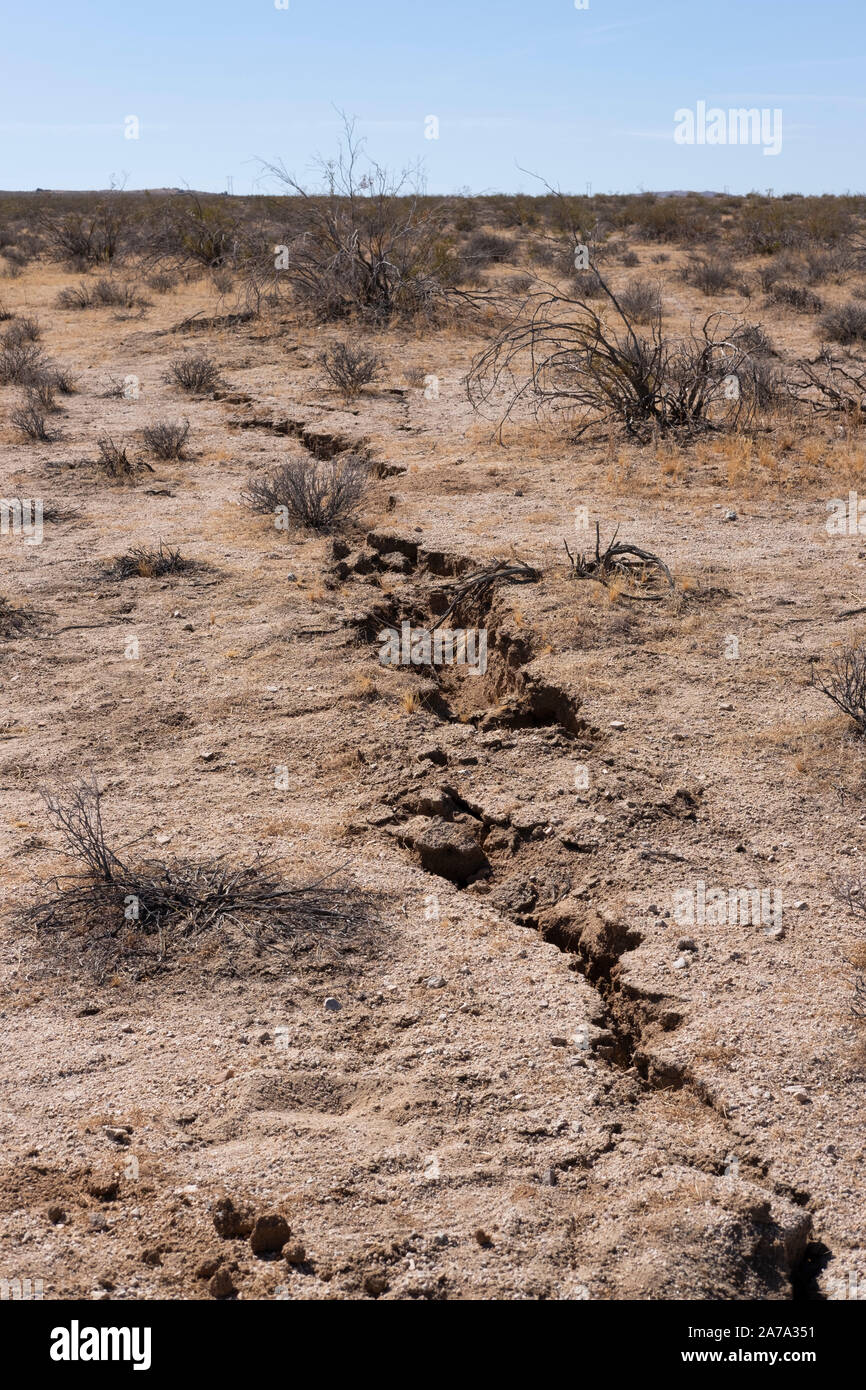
436 982
230 1222
332 1005
729 516
799 1094
291 579
269 1234
483 1239
208 1268
616 724
726 705
221 1285
681 963
295 1254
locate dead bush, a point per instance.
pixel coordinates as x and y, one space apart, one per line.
195 373
845 325
561 353
140 562
641 300
366 245
795 297
115 914
86 239
349 367
30 418
166 439
844 682
114 460
14 621
710 277
320 495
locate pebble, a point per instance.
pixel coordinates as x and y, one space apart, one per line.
681 963
332 1005
436 982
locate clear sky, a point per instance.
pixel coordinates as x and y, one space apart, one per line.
581 96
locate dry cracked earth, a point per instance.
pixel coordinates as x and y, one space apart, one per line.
522 1073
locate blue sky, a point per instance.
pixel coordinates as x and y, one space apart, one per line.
582 97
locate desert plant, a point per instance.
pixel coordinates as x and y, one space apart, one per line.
710 277
845 325
140 562
367 247
486 248
194 372
19 362
560 352
166 439
14 621
31 419
162 282
844 682
796 297
41 391
349 367
115 461
74 297
115 913
827 386
86 239
641 301
24 330
321 495
5 313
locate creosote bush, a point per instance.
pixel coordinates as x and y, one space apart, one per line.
349 367
195 373
844 682
846 324
166 439
320 495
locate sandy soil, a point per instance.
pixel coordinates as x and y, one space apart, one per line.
540 1083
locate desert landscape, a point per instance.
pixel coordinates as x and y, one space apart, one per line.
342 962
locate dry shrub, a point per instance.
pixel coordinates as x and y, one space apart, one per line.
844 682
166 439
349 367
194 372
114 460
320 495
846 324
114 914
140 562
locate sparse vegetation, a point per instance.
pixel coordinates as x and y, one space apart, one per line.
114 460
350 367
144 563
166 439
112 913
320 495
195 373
844 682
845 325
31 419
